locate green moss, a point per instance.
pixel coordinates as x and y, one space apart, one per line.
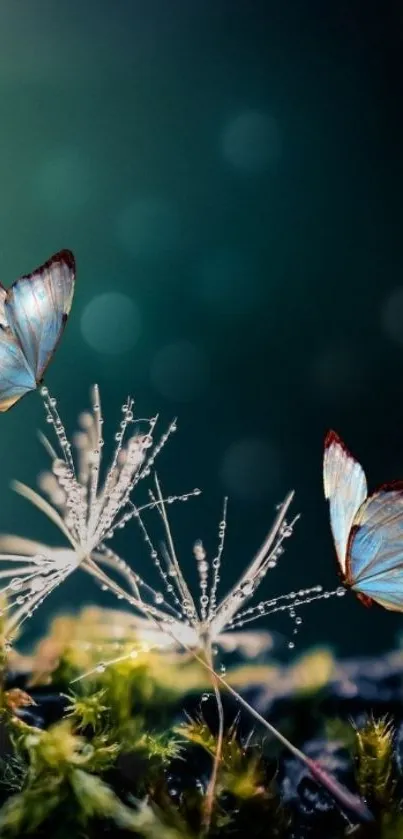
112 764
374 761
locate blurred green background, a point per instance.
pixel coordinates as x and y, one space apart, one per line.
229 177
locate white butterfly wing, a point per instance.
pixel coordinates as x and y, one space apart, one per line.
375 550
16 378
37 306
345 488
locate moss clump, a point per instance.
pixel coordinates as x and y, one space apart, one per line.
131 750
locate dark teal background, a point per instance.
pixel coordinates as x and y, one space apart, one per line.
275 251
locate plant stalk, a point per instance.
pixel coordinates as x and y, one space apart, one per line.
211 789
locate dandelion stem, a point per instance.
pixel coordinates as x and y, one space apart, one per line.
341 794
211 789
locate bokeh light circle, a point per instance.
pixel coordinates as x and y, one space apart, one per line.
251 142
180 371
392 316
110 323
149 227
250 468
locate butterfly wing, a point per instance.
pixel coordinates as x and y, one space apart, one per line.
345 488
37 306
16 378
375 549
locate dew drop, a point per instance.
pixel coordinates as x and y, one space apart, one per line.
286 532
37 584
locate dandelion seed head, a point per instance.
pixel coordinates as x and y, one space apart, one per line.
93 500
89 501
211 621
86 499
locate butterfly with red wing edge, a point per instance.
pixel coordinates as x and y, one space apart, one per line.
33 314
367 529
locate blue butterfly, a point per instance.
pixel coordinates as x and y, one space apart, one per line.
367 529
33 314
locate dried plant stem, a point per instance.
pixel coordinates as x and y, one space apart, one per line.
211 789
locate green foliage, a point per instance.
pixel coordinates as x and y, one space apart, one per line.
242 775
60 772
88 710
108 764
154 823
241 770
374 744
109 713
96 799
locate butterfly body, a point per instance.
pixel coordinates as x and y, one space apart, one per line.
33 314
367 529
